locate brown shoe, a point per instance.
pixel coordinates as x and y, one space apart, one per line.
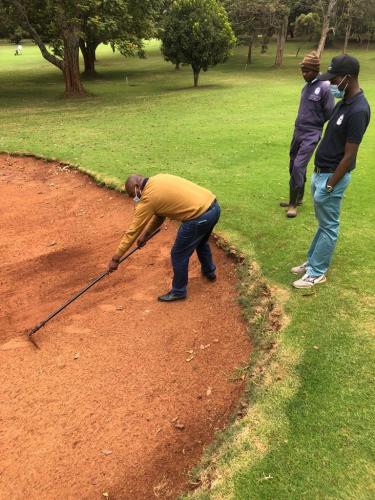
292 212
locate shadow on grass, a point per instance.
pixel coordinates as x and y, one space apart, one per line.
15 97
202 87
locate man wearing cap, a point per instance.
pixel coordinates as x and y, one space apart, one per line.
162 196
335 159
315 108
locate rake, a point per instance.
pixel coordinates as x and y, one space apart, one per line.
93 282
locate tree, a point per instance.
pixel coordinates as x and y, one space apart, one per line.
308 25
8 28
264 18
246 17
56 20
297 8
123 24
197 32
160 19
363 22
349 4
354 15
283 8
281 38
328 10
61 27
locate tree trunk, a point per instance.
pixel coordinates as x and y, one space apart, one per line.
196 71
88 50
327 16
69 65
281 38
177 66
323 36
56 61
264 45
72 77
290 30
249 52
347 35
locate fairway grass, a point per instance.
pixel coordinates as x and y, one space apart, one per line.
309 430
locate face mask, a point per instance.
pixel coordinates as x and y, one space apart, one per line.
136 198
335 90
339 94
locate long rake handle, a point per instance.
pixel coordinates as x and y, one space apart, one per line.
81 292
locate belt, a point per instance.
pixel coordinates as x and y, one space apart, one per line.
324 170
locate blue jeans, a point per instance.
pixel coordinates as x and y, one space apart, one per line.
327 211
193 235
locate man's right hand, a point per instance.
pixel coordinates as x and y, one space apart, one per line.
113 265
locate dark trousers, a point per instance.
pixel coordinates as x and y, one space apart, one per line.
193 235
301 149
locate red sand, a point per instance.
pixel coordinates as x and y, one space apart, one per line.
98 408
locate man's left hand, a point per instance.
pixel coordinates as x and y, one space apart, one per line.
141 242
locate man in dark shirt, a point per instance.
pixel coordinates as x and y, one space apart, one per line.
334 161
315 108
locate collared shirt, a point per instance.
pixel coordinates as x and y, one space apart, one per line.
316 106
348 123
165 195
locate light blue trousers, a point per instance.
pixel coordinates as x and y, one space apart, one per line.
327 211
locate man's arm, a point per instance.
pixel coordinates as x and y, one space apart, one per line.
351 150
155 223
355 132
142 216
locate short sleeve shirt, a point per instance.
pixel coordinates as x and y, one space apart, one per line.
348 123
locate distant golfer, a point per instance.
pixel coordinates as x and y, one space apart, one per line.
316 106
334 161
169 196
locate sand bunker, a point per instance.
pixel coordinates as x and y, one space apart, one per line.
125 391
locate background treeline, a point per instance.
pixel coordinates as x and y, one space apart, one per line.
200 33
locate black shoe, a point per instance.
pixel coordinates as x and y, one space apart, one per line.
210 276
295 197
170 297
285 204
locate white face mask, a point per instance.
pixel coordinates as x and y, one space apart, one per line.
137 198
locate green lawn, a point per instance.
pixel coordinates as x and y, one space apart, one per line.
309 431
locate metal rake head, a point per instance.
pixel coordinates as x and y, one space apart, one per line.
31 332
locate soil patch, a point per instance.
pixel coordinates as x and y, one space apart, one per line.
125 391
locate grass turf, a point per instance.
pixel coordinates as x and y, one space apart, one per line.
309 432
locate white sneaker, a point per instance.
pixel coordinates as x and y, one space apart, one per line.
309 281
299 269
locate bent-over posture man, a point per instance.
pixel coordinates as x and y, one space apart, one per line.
163 196
335 159
315 108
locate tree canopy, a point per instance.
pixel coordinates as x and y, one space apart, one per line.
123 24
197 32
263 18
61 27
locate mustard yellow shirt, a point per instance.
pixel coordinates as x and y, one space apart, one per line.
165 196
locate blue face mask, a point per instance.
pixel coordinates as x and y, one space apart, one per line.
335 89
136 198
336 92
